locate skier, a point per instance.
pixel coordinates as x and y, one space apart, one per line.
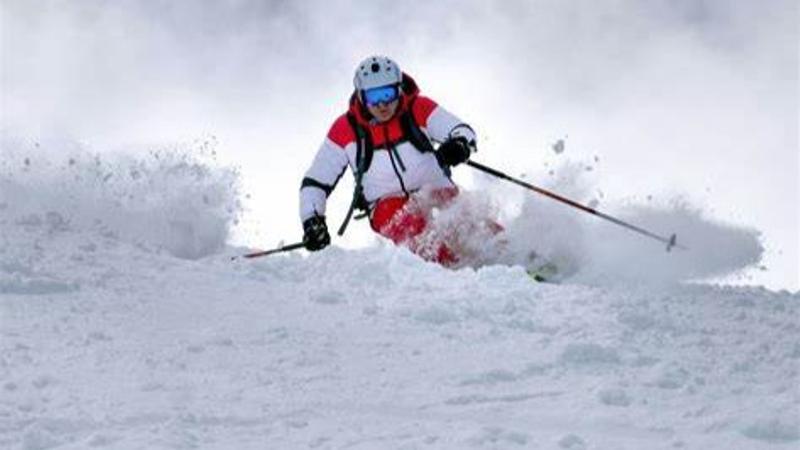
386 137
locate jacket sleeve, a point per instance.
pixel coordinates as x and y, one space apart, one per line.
320 179
439 123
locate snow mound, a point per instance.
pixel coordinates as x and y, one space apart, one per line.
171 200
375 348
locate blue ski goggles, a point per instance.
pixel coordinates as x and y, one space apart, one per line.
382 94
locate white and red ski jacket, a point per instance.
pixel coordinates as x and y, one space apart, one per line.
397 167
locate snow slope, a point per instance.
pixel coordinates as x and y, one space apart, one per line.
116 331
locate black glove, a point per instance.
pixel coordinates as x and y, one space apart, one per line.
315 233
454 151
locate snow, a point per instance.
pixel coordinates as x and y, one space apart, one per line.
116 331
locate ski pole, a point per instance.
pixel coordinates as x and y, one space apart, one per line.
671 241
284 248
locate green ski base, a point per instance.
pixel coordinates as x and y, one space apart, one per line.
544 274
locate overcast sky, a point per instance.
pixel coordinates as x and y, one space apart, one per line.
694 98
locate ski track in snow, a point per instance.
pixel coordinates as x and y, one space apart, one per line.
108 339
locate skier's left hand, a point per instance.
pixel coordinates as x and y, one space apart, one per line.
455 151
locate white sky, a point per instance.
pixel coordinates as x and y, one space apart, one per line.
696 98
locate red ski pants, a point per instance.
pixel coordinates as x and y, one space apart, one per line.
404 219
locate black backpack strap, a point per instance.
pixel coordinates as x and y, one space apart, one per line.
411 129
417 138
364 151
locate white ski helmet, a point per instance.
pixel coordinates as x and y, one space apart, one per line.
376 71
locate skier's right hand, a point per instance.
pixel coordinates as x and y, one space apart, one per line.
315 233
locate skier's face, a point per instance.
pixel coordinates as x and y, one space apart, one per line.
383 111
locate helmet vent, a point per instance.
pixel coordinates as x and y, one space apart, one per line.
375 71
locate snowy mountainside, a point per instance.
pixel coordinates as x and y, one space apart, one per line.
116 332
